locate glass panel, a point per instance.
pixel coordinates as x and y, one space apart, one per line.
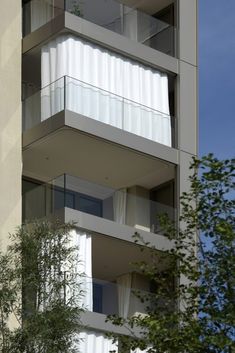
156 211
97 298
43 104
149 26
70 199
163 40
52 99
31 111
114 110
146 122
99 105
105 297
58 198
141 213
33 200
37 13
67 191
93 102
93 11
90 205
58 192
108 296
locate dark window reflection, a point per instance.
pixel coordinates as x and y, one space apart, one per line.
77 201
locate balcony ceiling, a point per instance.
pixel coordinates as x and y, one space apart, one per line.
75 153
148 6
106 254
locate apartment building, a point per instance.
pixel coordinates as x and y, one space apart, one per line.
98 125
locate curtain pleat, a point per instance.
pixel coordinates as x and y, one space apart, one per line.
119 206
83 242
95 342
124 294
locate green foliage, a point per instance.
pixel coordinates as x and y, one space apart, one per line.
197 313
76 9
35 275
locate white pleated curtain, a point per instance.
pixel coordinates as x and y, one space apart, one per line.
119 206
83 242
114 90
95 342
124 294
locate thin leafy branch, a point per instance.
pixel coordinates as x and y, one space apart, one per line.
37 293
197 313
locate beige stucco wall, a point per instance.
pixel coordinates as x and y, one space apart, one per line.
10 118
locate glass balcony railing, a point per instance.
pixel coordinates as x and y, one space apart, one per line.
113 298
119 18
92 102
120 206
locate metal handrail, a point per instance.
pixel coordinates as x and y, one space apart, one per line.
101 90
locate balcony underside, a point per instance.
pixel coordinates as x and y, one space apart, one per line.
113 230
148 6
106 252
72 144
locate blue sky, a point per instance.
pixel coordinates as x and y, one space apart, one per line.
217 77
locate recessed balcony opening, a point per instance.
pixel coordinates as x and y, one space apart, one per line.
117 279
121 280
84 78
102 179
135 206
110 286
148 22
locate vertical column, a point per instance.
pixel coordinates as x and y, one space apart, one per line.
187 107
187 81
187 94
10 119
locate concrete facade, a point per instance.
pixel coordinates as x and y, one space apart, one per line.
10 119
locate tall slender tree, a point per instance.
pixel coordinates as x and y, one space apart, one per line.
39 290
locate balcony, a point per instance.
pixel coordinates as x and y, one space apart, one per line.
108 286
124 206
132 23
94 103
118 298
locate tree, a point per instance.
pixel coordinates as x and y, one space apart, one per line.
198 315
38 290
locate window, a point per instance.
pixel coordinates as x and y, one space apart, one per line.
97 298
90 205
77 201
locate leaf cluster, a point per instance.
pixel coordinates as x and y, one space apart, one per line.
192 307
37 290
